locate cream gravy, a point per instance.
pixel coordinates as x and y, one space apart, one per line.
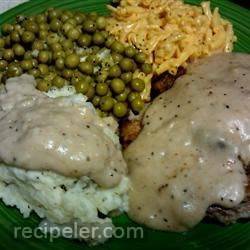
195 141
57 134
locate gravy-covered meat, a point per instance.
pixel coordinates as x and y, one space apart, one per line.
192 147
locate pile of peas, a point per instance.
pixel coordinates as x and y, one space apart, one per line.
60 47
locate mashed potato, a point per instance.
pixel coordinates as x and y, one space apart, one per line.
62 200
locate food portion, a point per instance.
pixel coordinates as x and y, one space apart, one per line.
170 32
72 48
193 153
58 157
64 135
71 82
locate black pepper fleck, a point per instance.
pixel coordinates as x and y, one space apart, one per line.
63 187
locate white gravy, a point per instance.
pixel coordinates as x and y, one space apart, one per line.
195 141
57 134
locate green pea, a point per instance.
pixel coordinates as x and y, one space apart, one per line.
30 19
79 17
31 26
120 109
117 85
127 77
101 22
58 54
43 68
116 57
123 96
43 26
67 44
18 50
109 41
3 65
51 75
41 18
54 13
132 96
28 37
102 89
18 28
26 64
72 61
66 27
56 47
58 82
91 92
106 103
55 25
86 68
15 37
34 72
126 64
98 38
114 71
7 28
28 55
82 86
130 51
8 55
140 57
52 38
84 40
38 45
66 15
59 63
146 68
72 21
43 85
73 34
67 73
117 47
44 56
93 16
14 70
2 43
43 34
138 85
137 105
89 26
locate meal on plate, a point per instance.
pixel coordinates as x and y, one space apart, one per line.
144 112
